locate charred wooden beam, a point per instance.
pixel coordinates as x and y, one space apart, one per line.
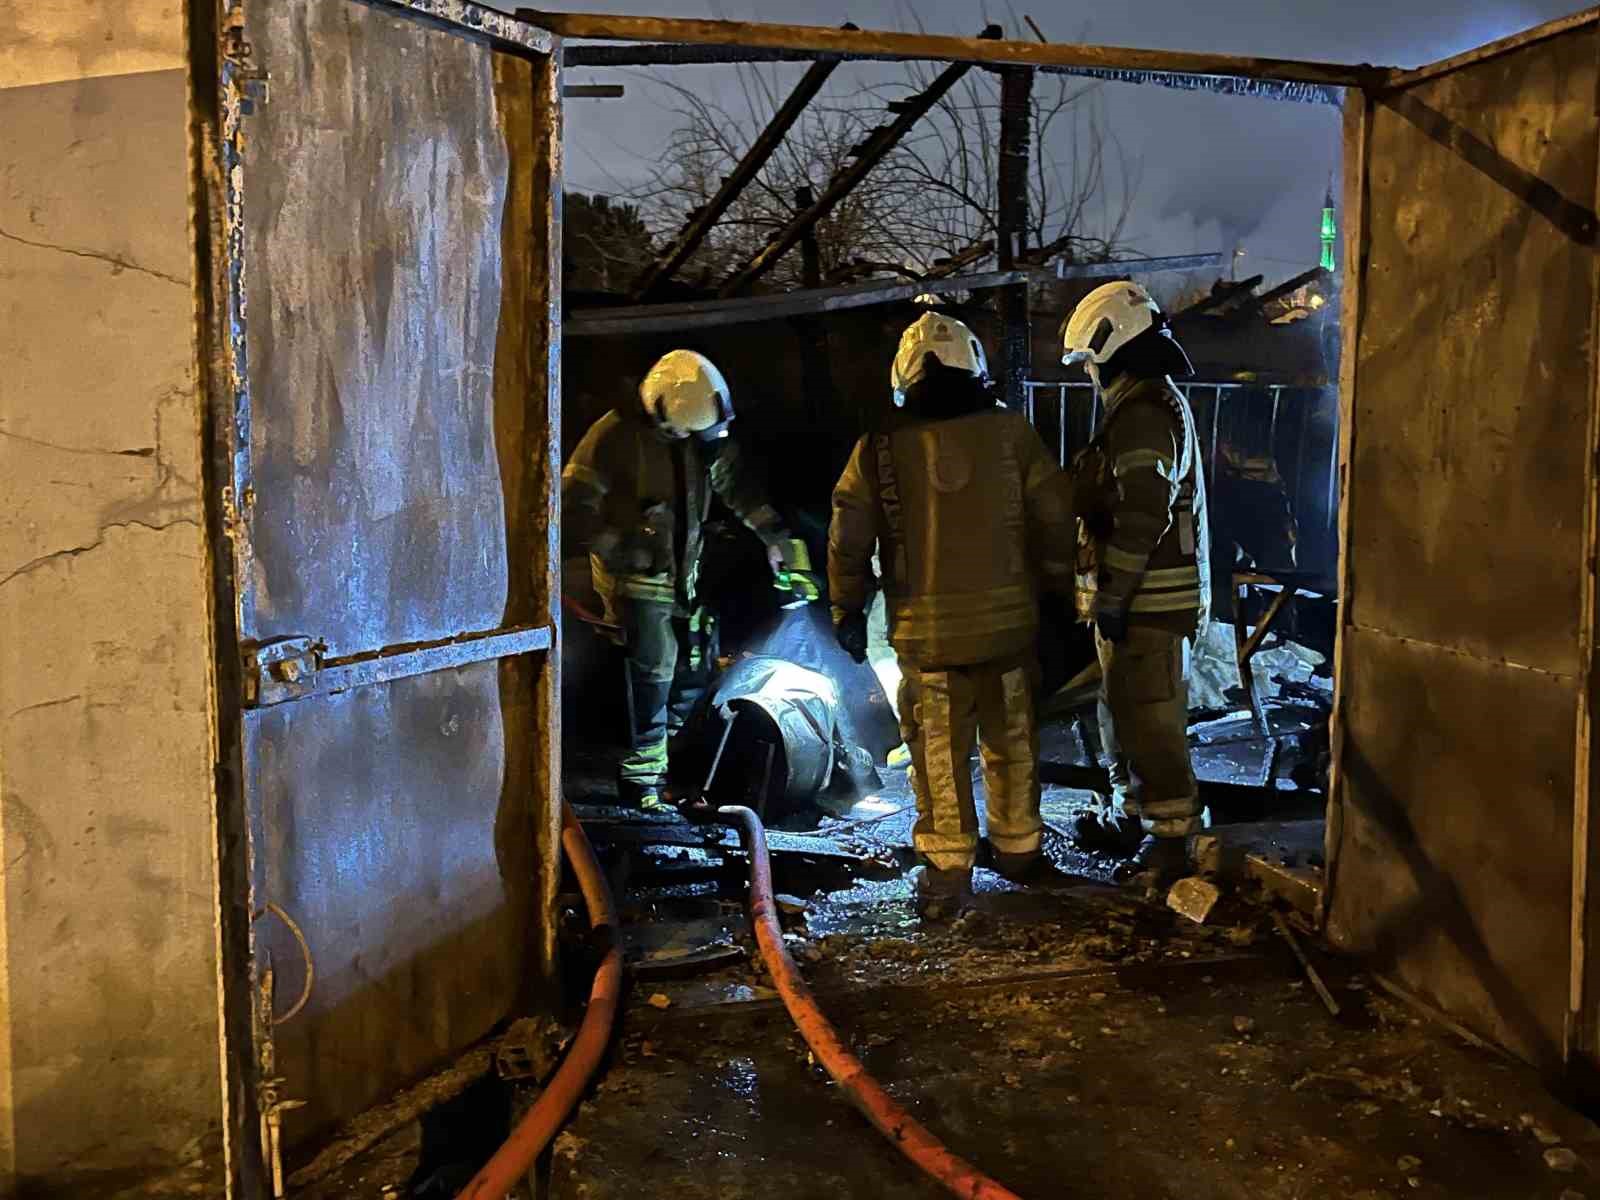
1292 285
1293 91
1016 121
1121 268
945 267
707 314
883 46
861 267
705 56
863 158
810 251
1225 294
816 372
703 219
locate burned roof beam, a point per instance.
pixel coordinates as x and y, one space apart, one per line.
865 156
886 46
1117 268
1223 295
1291 286
1290 90
702 220
744 310
685 56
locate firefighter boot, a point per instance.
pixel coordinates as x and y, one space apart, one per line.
942 895
1104 830
1158 863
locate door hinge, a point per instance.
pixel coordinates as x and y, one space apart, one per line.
282 669
238 51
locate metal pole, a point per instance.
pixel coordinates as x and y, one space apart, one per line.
1061 421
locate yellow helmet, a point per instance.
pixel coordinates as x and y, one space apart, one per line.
685 394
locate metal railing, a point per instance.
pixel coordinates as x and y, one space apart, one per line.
1075 407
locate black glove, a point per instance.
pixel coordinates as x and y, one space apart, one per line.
851 630
1111 624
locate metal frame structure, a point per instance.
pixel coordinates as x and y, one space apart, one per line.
225 85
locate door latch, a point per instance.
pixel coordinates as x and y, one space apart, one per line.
279 670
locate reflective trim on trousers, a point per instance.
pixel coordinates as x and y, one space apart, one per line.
1144 709
941 714
656 588
1011 762
646 764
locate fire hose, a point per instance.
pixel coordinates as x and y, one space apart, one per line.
533 1133
903 1130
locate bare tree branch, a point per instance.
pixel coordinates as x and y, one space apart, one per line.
933 197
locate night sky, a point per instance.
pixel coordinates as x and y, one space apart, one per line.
1214 171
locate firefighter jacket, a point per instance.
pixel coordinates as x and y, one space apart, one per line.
1140 492
970 518
637 502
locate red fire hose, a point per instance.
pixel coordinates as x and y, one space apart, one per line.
903 1130
533 1133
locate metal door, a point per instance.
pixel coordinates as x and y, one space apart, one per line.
1468 555
389 181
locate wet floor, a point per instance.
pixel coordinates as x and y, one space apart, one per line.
1097 1049
1072 1040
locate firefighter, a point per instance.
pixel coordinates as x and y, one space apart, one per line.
635 496
970 519
1143 576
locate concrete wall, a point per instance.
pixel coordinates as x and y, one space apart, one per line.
109 1064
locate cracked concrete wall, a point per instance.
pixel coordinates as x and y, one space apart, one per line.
109 1062
45 41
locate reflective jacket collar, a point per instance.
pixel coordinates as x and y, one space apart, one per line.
1126 385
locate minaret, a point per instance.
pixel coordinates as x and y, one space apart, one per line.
1330 229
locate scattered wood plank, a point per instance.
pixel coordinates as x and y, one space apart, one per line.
715 838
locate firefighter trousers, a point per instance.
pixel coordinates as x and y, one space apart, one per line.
668 670
942 712
1144 729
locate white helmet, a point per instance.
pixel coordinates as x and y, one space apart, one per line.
685 394
947 339
1105 321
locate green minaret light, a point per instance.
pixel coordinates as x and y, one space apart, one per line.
1330 230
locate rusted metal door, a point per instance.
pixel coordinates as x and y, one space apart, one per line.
390 181
1466 647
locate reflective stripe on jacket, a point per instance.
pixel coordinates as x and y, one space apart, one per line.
970 517
636 503
1149 556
